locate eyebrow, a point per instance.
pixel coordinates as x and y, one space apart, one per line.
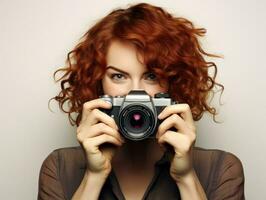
116 69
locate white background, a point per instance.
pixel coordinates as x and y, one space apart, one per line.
35 37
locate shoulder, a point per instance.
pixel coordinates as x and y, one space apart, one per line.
223 160
214 154
69 155
62 172
218 169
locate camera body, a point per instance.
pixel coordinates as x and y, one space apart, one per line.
136 113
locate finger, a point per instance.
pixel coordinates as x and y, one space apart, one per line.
99 129
180 142
174 121
92 144
182 109
98 116
93 104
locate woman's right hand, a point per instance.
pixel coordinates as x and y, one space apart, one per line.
95 129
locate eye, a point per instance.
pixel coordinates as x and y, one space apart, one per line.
117 76
150 76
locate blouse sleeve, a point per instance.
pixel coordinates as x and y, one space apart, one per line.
229 180
49 181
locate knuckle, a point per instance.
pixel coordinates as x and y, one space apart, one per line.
95 112
86 106
166 134
186 145
79 129
79 138
193 138
101 126
186 148
112 121
160 129
87 144
175 117
106 137
186 107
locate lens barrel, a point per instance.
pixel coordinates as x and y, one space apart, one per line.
136 122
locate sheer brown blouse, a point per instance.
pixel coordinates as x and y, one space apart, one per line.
220 173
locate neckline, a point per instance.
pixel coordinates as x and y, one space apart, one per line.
116 188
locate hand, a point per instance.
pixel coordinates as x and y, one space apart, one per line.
182 140
94 132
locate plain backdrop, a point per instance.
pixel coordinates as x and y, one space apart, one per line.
35 37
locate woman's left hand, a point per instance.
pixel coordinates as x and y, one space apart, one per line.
182 139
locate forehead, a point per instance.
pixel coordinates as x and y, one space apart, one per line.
124 55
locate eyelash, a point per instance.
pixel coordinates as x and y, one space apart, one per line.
151 74
118 76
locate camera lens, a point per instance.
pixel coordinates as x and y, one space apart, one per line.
136 122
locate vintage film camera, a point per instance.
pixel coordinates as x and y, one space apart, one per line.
136 113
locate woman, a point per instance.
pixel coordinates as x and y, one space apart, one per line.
141 47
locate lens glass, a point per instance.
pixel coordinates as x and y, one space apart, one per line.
136 120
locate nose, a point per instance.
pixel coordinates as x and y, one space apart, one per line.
136 85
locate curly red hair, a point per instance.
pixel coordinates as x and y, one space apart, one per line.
169 46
